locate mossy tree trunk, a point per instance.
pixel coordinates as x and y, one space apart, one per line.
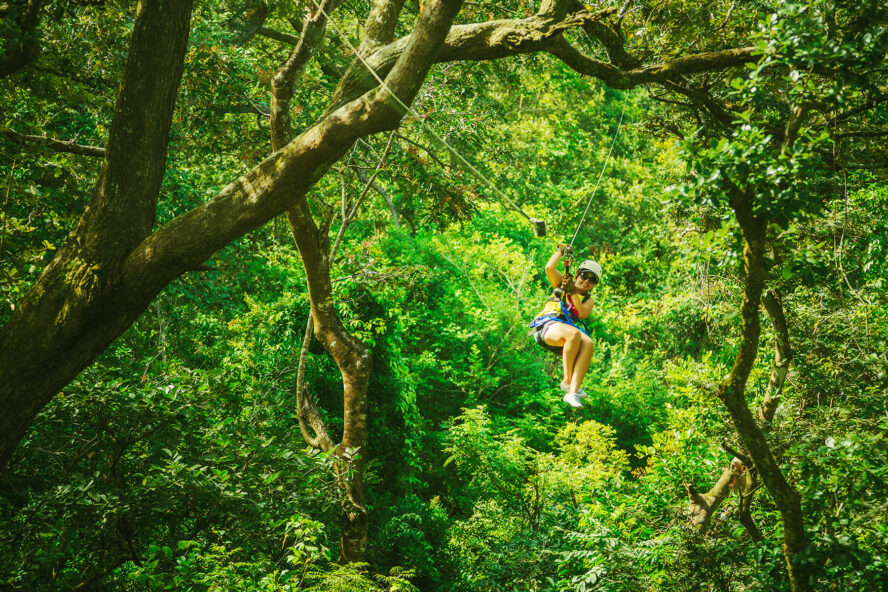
732 392
740 475
352 357
83 300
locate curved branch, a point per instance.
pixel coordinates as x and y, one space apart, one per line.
283 85
665 72
611 37
477 41
509 37
773 304
306 410
703 505
69 146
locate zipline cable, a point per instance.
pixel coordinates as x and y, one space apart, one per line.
539 225
604 168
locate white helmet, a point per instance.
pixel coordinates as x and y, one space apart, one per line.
589 265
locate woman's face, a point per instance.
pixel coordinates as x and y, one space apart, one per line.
586 280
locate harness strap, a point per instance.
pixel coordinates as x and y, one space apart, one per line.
567 320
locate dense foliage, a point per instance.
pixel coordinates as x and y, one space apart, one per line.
175 462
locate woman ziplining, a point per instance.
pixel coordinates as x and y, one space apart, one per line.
555 327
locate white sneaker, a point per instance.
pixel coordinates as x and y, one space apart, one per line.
566 388
573 400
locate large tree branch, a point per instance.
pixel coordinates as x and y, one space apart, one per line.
665 72
509 37
283 87
67 304
478 41
379 28
69 146
352 357
703 506
283 178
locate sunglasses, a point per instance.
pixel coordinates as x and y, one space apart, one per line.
588 275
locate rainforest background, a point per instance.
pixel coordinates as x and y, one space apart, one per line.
169 425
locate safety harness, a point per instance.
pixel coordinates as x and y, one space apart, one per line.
563 314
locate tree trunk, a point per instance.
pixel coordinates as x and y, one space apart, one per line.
351 356
355 365
732 394
68 317
738 477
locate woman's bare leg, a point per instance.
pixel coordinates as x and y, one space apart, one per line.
581 363
570 339
569 357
